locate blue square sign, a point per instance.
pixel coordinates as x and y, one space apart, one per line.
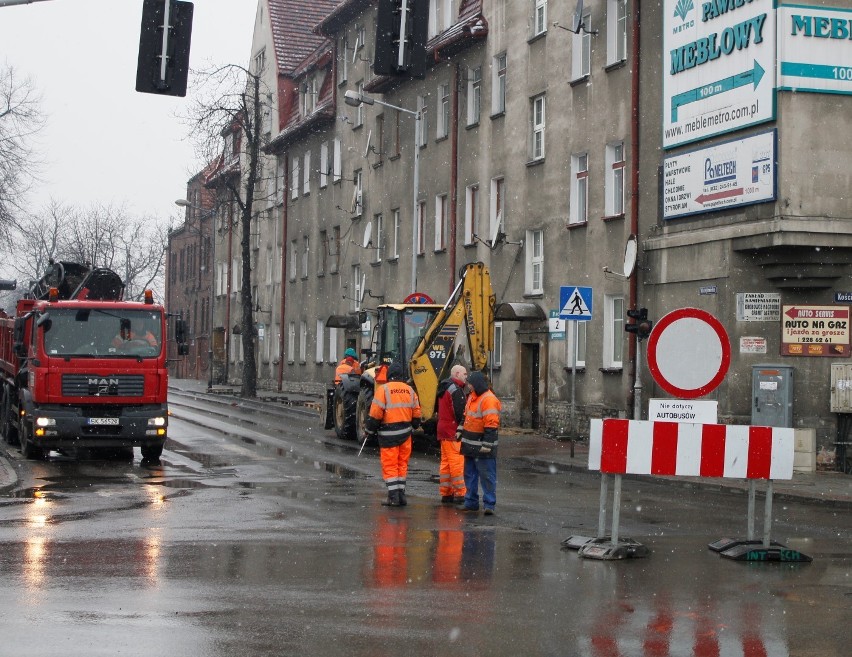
575 303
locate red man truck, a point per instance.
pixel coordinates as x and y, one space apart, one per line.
81 368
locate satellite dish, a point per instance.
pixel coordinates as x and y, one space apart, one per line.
368 234
630 251
369 139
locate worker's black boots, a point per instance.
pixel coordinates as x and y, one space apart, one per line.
396 498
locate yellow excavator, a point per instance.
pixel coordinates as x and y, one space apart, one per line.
423 336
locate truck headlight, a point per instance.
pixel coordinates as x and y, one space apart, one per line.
45 422
156 421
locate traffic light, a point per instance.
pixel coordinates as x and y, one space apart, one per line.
401 33
152 77
641 325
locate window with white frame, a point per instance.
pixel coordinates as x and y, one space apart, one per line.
443 122
442 14
294 177
334 250
579 356
616 31
322 260
421 228
342 59
378 237
613 346
236 275
358 194
497 354
337 170
474 94
303 342
534 279
441 219
497 223
498 84
294 248
269 266
423 137
397 218
355 296
306 249
291 342
260 62
280 179
537 137
471 213
539 17
306 187
614 179
332 345
579 209
323 181
319 357
581 49
359 111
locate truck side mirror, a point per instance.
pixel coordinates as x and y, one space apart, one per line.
18 347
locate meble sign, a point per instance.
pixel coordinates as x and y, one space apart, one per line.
718 67
815 49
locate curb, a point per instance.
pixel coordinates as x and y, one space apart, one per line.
8 476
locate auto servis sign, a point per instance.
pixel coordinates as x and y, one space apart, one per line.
718 67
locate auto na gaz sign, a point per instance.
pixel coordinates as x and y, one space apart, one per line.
718 67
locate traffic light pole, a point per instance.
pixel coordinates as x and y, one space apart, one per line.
637 382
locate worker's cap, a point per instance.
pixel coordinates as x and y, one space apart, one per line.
350 353
396 372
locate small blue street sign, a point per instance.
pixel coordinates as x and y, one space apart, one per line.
575 303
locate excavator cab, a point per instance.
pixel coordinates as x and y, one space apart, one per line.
400 328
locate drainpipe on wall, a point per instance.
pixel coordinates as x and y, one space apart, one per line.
228 297
454 177
283 269
634 375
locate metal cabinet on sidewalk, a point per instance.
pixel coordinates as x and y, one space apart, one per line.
772 395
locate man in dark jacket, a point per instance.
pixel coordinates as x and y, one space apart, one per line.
394 413
479 444
451 399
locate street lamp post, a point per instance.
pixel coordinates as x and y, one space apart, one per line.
186 204
354 99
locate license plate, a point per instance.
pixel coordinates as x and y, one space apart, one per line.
103 420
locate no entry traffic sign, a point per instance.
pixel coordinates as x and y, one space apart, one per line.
689 353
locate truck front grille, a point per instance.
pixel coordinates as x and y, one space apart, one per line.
91 385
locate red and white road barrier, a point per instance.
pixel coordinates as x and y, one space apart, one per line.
691 450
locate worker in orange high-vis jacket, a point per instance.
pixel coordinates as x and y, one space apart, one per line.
349 365
479 444
394 414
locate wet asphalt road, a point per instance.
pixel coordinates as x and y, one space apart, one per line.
268 538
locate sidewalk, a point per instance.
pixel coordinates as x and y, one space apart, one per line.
830 487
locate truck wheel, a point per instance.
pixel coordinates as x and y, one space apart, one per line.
345 405
151 453
8 428
28 449
365 400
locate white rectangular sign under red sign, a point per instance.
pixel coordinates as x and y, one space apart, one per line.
815 331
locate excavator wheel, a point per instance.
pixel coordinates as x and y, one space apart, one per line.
365 400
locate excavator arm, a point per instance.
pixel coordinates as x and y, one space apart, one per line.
470 305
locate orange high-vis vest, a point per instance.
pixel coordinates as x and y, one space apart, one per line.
394 407
347 366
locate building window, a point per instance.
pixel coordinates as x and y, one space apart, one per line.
332 345
378 236
306 187
579 210
334 250
322 261
303 342
497 223
396 221
471 213
356 291
441 16
323 164
614 179
260 62
616 31
498 84
613 331
359 111
537 141
294 247
539 17
378 147
320 341
534 262
396 134
358 194
337 170
342 60
474 94
443 127
291 342
441 219
497 354
294 178
421 232
579 356
581 52
423 137
305 251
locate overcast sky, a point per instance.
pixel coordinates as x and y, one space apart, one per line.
105 142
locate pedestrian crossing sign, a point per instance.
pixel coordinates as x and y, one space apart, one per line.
575 303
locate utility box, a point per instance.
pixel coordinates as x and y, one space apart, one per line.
841 387
772 395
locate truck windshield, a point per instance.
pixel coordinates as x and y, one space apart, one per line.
103 332
403 331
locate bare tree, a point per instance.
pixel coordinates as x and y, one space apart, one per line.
231 101
20 119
